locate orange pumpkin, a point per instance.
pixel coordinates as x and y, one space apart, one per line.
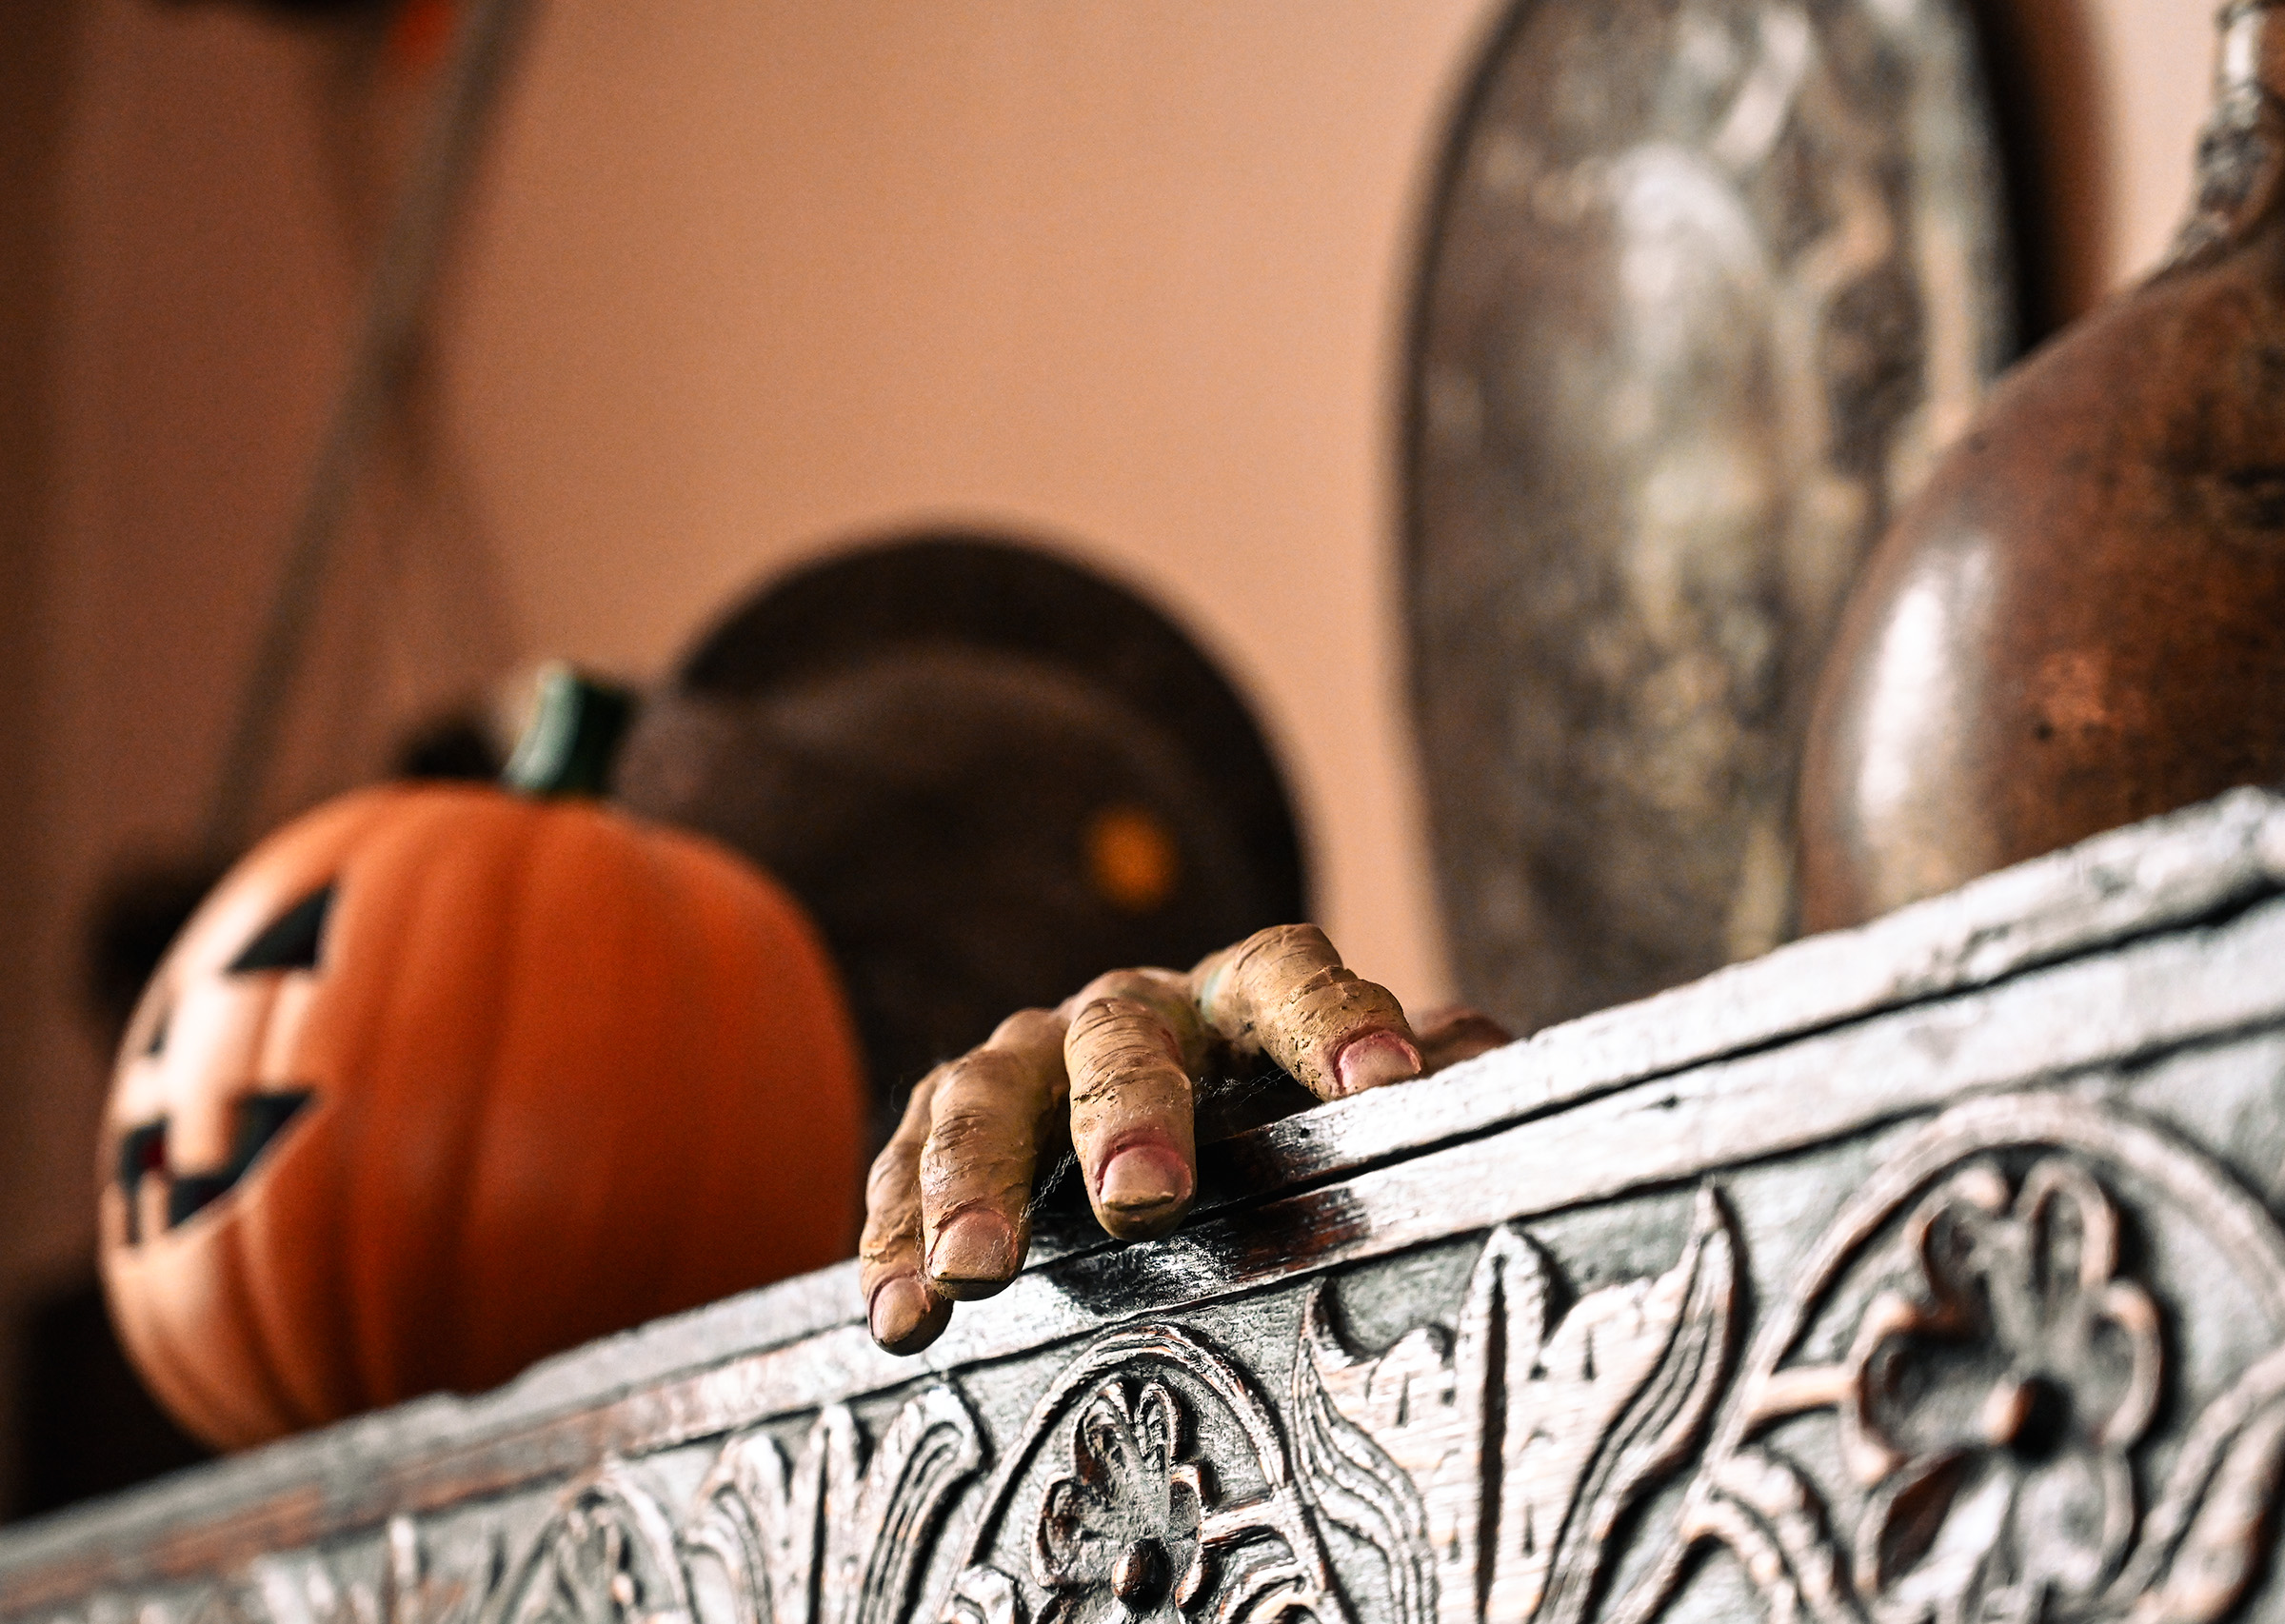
441 1080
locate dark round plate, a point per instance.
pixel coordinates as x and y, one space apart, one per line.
989 772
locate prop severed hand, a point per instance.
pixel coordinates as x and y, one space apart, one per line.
1111 1073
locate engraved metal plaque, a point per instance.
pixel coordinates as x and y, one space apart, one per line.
1708 283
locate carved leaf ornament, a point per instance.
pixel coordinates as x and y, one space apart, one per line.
1492 1472
834 1536
1953 1414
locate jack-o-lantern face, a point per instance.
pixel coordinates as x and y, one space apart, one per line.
442 1079
198 1129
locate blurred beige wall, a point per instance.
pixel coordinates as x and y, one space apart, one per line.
198 311
2153 58
1132 276
754 280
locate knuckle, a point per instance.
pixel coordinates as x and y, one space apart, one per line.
1027 1029
1259 976
1155 1098
891 1176
889 1235
956 1162
1264 941
1283 947
1116 1045
886 1223
976 1082
976 1152
1333 996
1161 995
1105 1014
1134 985
978 1098
959 1129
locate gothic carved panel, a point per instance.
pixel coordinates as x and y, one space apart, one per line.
2030 1368
1136 1515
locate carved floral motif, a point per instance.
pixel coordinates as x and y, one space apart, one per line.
1121 1537
1138 1528
1992 1411
1988 1416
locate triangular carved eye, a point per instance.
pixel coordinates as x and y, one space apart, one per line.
290 941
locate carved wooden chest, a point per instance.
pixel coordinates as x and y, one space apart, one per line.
1931 1271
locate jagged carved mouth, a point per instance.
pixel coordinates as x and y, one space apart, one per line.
257 1118
289 942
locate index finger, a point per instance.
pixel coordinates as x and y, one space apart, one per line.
1286 993
1134 1043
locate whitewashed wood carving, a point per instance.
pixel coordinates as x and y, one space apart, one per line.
1491 1465
833 1537
1989 1415
1132 1524
1974 1451
1930 1274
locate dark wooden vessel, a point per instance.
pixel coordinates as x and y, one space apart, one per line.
2082 621
1932 1271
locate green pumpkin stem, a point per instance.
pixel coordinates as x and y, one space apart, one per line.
573 735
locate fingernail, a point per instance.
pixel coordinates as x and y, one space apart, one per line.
977 1246
1142 1177
1372 1060
899 1308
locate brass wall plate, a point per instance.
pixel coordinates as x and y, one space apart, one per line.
1708 283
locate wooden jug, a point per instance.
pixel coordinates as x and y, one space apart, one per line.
2080 622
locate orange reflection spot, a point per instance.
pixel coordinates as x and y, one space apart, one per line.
1131 858
419 34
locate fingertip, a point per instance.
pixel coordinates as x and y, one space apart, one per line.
1376 1058
903 1316
1141 1190
975 1253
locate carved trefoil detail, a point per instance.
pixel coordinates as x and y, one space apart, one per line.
836 1536
1138 1525
1492 1466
